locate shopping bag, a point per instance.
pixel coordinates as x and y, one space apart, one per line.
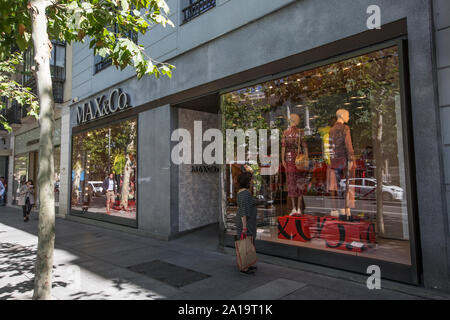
245 253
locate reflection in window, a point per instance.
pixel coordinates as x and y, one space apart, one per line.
56 178
346 117
20 174
97 154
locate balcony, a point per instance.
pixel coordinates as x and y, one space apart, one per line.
196 8
58 87
57 69
13 114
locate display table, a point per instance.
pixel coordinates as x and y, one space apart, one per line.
294 228
356 236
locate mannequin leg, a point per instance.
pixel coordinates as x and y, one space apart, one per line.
300 205
294 209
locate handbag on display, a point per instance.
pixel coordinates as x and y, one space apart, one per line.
245 253
302 160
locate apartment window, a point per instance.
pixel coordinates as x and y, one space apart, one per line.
100 62
57 69
194 8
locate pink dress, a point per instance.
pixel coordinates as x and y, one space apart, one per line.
296 180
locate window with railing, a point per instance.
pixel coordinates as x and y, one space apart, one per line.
13 112
100 62
195 8
57 69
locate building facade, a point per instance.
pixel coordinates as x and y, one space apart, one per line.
368 104
22 149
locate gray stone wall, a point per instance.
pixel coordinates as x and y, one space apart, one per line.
154 172
199 193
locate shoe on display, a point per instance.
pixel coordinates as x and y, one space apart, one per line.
334 213
294 212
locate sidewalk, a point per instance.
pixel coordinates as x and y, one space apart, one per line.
96 263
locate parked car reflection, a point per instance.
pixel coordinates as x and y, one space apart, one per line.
365 188
97 188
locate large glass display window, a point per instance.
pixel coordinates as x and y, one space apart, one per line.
104 177
20 174
348 195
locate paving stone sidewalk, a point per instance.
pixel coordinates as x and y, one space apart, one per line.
97 263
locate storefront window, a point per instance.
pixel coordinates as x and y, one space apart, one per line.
57 161
20 173
349 194
104 180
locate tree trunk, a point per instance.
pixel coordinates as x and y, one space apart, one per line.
126 183
127 172
42 50
379 171
76 182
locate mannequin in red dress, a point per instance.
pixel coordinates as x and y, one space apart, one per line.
342 157
296 180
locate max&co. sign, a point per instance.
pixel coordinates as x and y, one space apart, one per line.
102 106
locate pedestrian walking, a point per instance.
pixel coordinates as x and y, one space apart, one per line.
26 198
246 213
2 191
109 187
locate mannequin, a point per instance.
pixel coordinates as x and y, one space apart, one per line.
342 159
296 180
331 186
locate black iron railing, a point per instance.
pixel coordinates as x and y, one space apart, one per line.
197 8
58 78
13 113
102 63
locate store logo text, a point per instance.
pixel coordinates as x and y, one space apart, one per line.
251 147
102 106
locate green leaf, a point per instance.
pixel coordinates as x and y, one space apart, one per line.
124 4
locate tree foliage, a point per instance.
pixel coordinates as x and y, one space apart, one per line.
105 24
13 90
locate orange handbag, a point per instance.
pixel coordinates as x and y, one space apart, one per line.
302 160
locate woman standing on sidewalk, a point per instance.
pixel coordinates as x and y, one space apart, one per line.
246 214
26 198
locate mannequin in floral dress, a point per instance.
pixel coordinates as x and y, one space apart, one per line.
297 180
